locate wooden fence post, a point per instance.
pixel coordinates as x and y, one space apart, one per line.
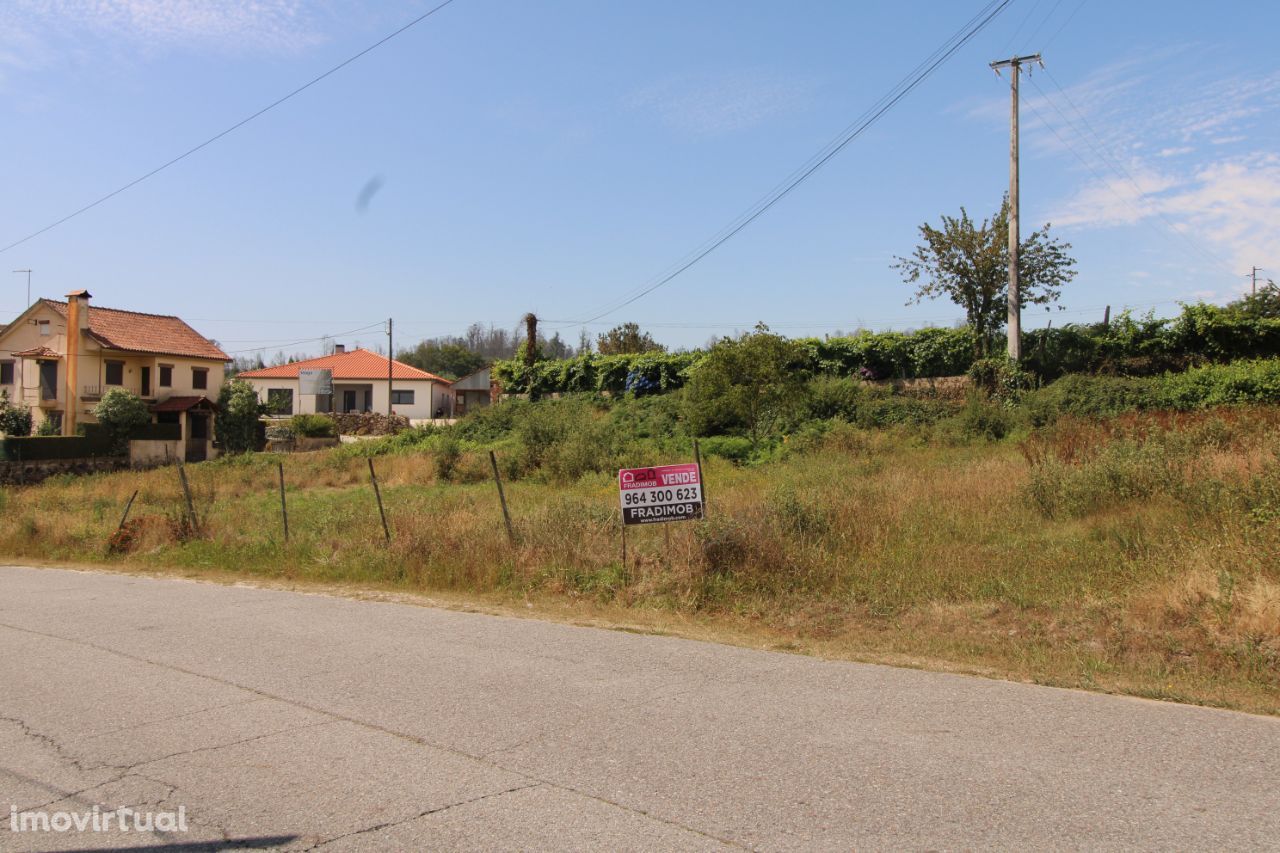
186 493
697 459
377 493
502 498
284 511
128 506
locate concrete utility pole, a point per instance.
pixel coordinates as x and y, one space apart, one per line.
1015 302
390 363
1256 270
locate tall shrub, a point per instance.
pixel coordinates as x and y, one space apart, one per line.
14 420
237 418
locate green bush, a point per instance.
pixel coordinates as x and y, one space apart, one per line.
986 420
313 426
732 447
236 423
14 419
120 413
1237 383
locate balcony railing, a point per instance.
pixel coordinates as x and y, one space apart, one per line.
92 391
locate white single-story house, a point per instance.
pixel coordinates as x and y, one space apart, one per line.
360 384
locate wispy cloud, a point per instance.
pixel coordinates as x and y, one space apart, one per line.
275 25
1167 145
705 104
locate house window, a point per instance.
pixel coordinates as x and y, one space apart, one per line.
114 372
280 401
48 380
43 326
166 376
6 372
402 398
200 378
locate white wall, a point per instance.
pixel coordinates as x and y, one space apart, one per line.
427 395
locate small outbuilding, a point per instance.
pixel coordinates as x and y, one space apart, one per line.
473 391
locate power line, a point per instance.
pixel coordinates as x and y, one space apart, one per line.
1063 26
379 325
184 155
1043 21
922 72
1025 19
1116 166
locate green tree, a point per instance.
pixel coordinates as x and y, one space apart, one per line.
121 412
238 414
14 420
626 339
1264 303
444 358
969 264
745 384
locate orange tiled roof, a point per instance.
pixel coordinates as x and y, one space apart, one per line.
38 352
133 331
357 364
183 404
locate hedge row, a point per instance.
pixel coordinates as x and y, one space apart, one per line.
27 448
641 372
146 432
1127 346
1237 383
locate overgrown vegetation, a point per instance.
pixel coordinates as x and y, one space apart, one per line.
1127 346
1138 553
1116 531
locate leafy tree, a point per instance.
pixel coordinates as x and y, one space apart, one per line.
556 348
121 412
1264 303
14 420
745 383
969 264
237 418
627 338
446 358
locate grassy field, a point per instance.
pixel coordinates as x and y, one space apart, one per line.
1138 554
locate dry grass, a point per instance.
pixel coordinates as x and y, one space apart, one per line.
1140 555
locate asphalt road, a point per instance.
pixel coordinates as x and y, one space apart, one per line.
277 718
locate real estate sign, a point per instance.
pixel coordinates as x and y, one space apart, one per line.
664 493
315 381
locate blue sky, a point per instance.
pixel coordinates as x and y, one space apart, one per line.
554 156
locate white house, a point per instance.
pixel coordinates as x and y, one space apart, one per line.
360 384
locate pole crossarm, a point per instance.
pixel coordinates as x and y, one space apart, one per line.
1015 61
